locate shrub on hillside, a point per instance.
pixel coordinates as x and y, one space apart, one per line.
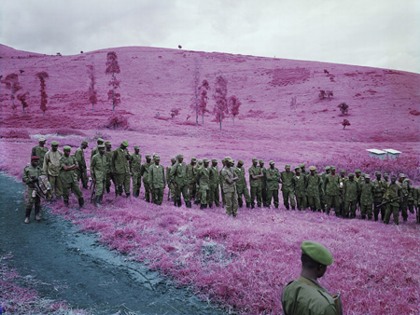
117 121
15 134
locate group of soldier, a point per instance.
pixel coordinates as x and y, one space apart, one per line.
203 182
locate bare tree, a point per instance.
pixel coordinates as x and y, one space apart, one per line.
220 95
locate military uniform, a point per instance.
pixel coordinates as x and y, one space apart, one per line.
229 189
40 152
379 187
190 177
144 173
135 167
351 193
214 182
110 173
51 167
366 198
299 182
121 167
392 196
405 194
99 168
81 172
31 174
178 174
314 188
332 192
157 181
203 179
287 188
69 178
241 186
273 178
255 181
264 189
171 187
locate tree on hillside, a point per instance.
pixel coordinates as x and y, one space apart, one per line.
42 76
113 68
345 123
22 99
234 105
220 95
202 103
344 108
12 84
196 79
93 99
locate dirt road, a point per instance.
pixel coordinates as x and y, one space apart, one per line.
65 264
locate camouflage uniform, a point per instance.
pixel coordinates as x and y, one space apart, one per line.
157 180
203 179
81 162
323 198
287 188
332 191
40 151
121 167
110 172
393 196
51 167
405 193
30 176
264 193
273 178
366 198
241 186
191 175
178 173
343 179
255 181
99 169
299 182
214 178
135 168
171 187
379 187
314 187
144 172
351 193
229 188
69 177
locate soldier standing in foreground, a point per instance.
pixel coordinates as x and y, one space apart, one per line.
332 191
229 188
135 168
144 172
214 179
351 193
68 176
121 167
51 167
314 188
79 155
110 173
203 180
273 179
255 181
392 197
171 192
30 177
241 187
40 150
264 192
287 188
157 180
299 181
366 198
99 170
178 174
305 295
379 187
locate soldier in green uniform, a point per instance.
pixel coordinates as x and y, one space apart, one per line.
144 173
40 150
343 179
135 168
305 295
68 176
411 195
332 191
121 167
157 180
110 173
171 192
30 177
314 187
221 182
287 187
273 179
214 182
229 187
241 186
299 182
392 196
203 180
379 187
416 196
178 173
323 198
79 155
191 176
51 167
264 193
99 169
351 193
255 181
95 150
405 192
366 198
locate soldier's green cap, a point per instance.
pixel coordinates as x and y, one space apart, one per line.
254 160
297 168
84 142
357 171
332 168
42 139
367 176
261 161
402 175
343 171
271 162
66 148
107 142
317 252
214 161
200 161
378 173
351 175
206 160
148 156
312 168
125 143
173 160
193 159
101 146
287 166
179 156
100 140
327 167
302 165
393 176
386 174
54 143
240 162
156 157
136 147
229 159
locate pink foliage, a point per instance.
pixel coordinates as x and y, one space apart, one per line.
345 123
175 112
93 99
234 105
22 99
112 67
203 99
220 95
44 97
12 83
117 121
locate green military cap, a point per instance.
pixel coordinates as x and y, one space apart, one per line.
327 167
312 168
173 160
343 171
200 161
402 175
393 176
179 156
254 160
302 165
332 168
84 142
107 142
100 140
317 252
357 171
297 168
193 159
367 176
66 148
229 159
101 146
214 161
148 156
42 139
137 147
351 175
386 174
240 162
287 166
260 161
377 173
156 157
54 143
124 143
206 160
271 162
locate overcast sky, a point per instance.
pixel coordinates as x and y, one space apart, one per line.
378 33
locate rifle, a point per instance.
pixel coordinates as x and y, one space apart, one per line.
387 202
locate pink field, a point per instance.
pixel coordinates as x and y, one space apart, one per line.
240 263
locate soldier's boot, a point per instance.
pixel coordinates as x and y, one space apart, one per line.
187 204
202 206
293 208
127 195
81 202
210 205
66 202
248 204
240 202
196 201
97 201
38 213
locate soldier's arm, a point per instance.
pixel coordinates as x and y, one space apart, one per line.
150 175
174 168
25 176
45 164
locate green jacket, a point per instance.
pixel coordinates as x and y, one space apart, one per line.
304 297
99 167
79 155
144 171
179 173
157 176
120 161
351 191
30 172
366 193
228 184
203 178
314 185
135 163
379 187
255 171
393 193
39 151
240 173
68 176
286 179
214 176
300 185
273 177
332 185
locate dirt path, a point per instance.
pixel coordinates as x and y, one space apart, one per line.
65 264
